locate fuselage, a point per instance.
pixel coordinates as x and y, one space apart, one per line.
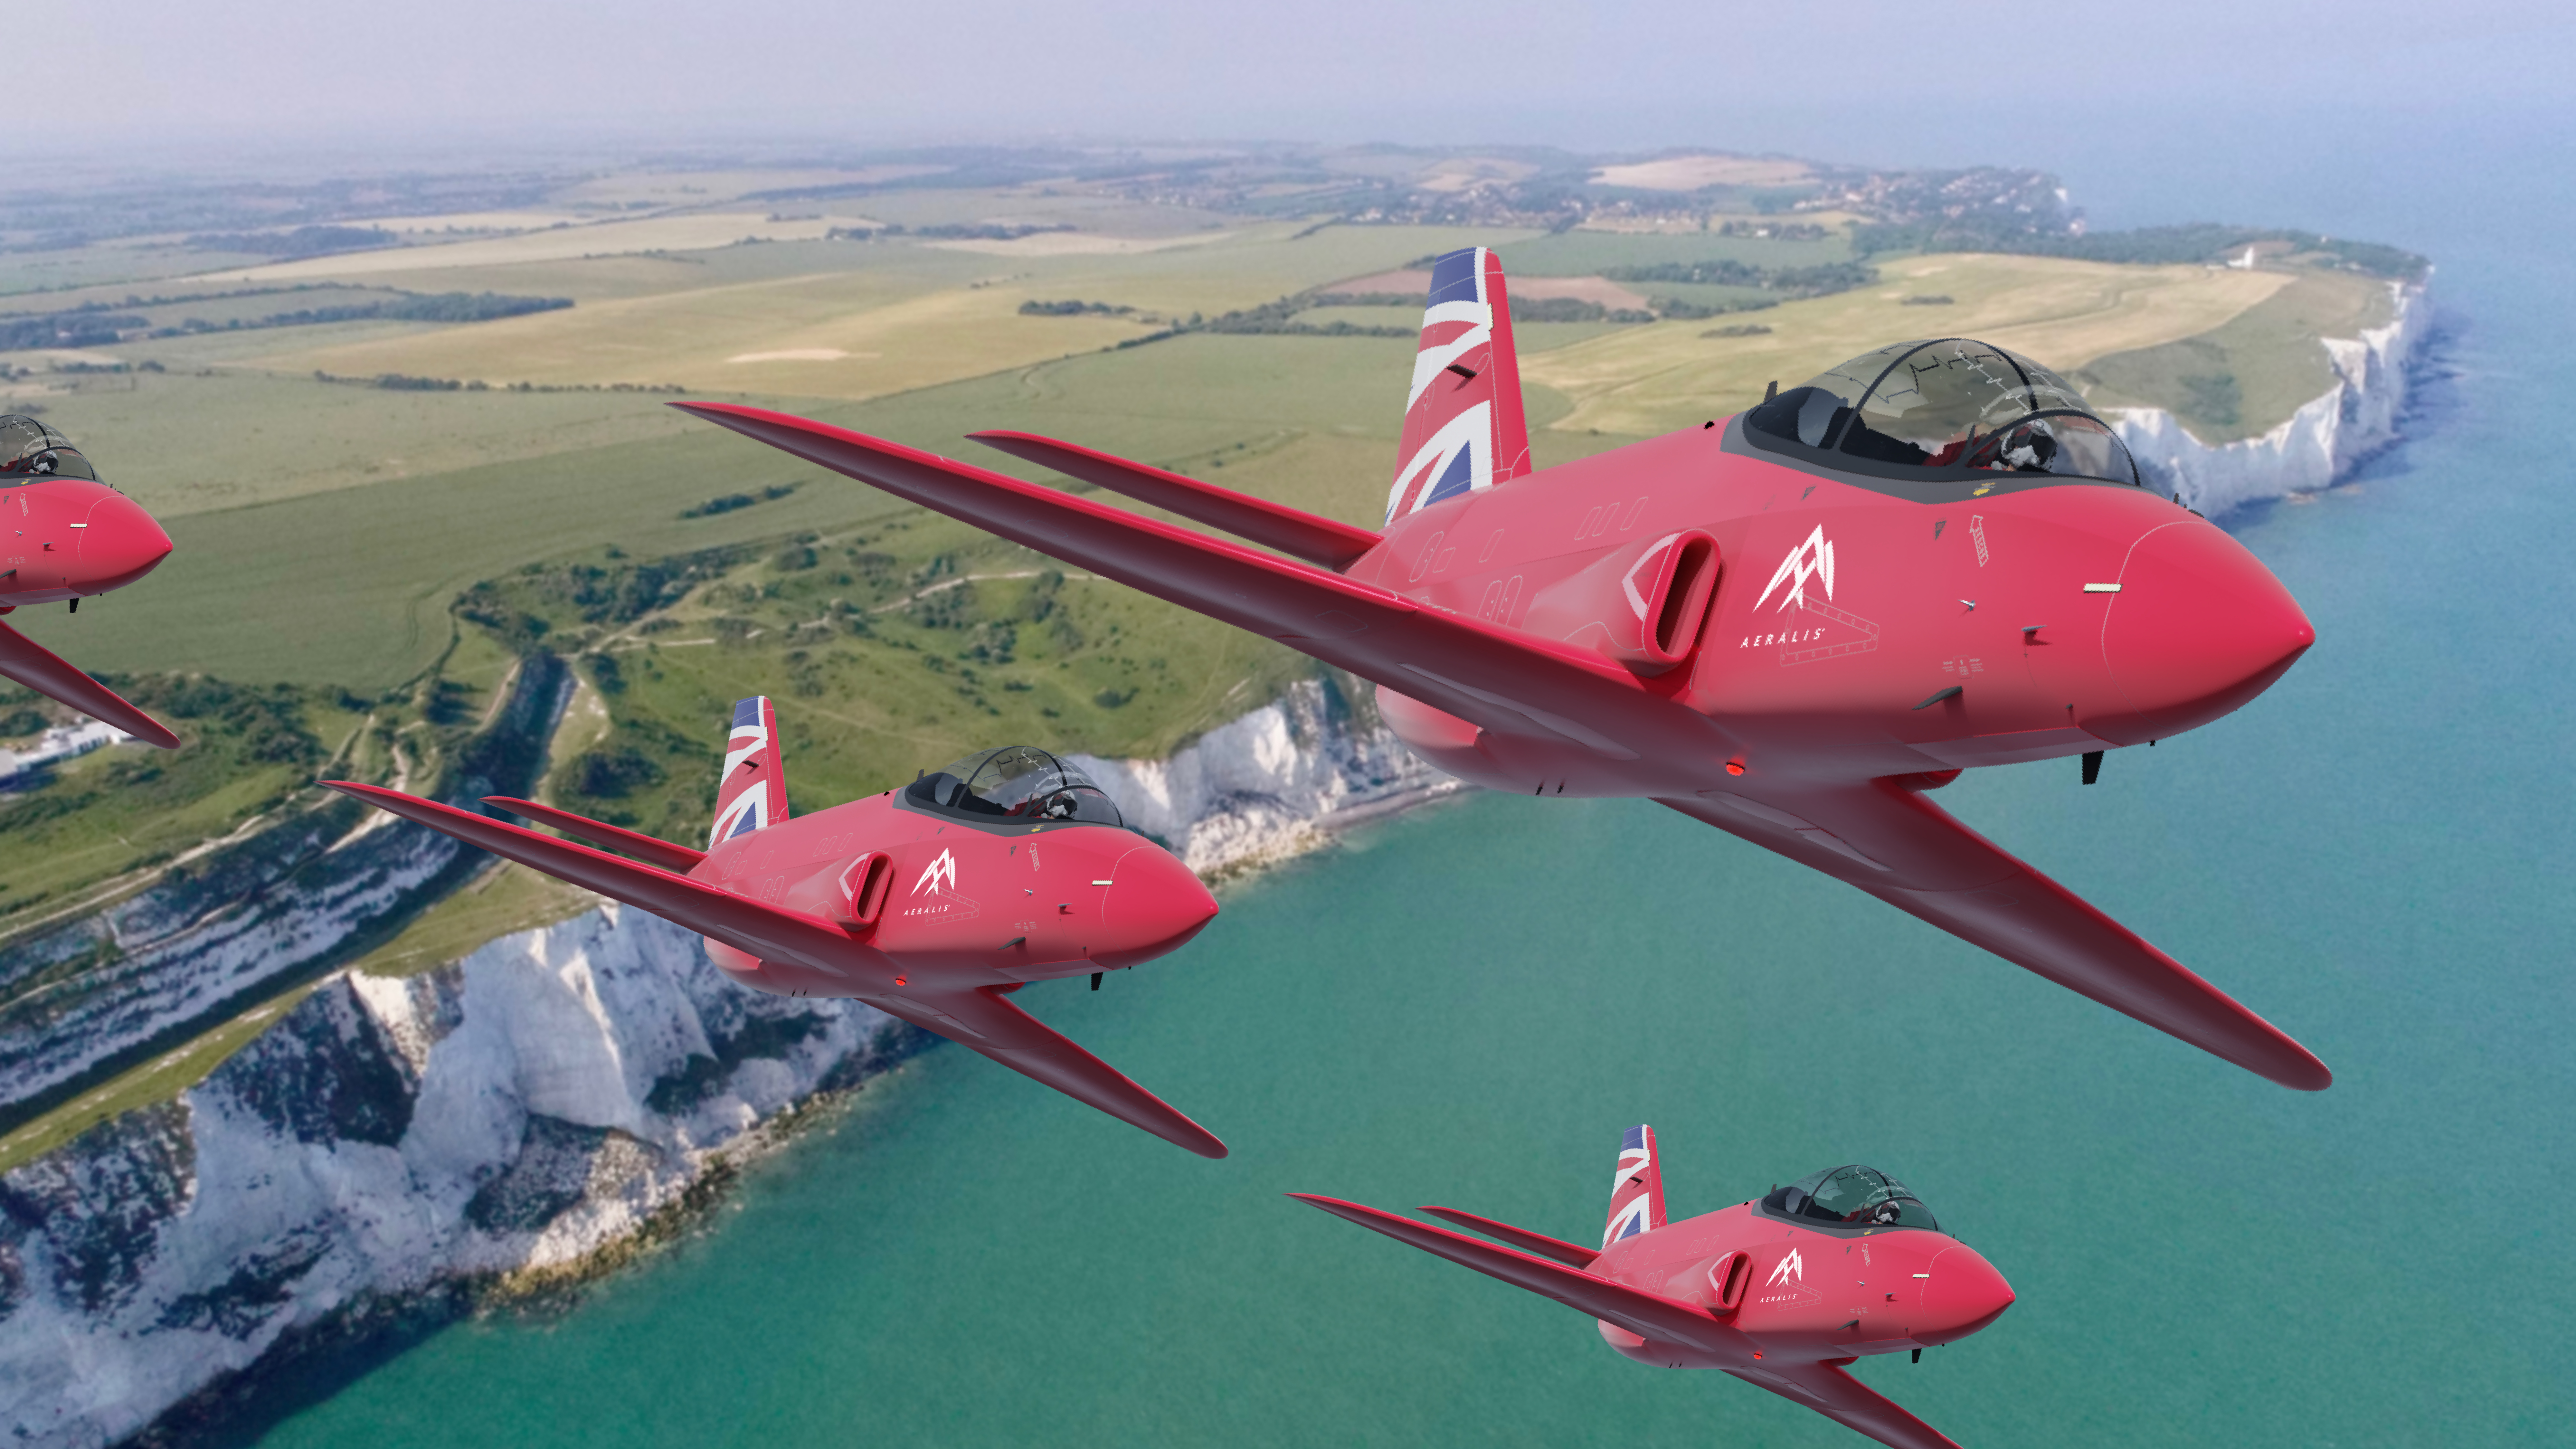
70 538
965 903
1856 628
1804 1291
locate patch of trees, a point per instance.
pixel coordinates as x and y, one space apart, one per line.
1774 230
1572 309
1789 282
437 307
303 241
405 382
81 328
1072 309
731 501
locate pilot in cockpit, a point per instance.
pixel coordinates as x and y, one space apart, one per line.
1954 405
1016 782
1851 1196
29 450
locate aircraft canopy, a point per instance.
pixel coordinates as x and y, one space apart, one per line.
1014 782
1953 404
1852 1196
29 450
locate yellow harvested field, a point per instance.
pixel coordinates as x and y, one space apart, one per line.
1077 244
842 334
1690 173
695 232
1645 380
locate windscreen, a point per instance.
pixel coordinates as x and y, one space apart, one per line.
1953 403
1016 782
29 450
1852 1196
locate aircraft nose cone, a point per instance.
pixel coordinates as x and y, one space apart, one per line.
121 544
2198 628
1154 906
1964 1294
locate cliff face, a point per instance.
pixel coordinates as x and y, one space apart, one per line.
2310 451
518 1109
267 903
1271 784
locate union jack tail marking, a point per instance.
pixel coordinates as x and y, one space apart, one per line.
752 792
1637 1191
1463 427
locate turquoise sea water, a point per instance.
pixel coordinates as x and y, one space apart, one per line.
1467 1006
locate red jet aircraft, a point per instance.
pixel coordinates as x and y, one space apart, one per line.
901 900
71 536
1780 1293
1791 624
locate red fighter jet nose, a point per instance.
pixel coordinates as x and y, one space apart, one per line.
121 544
1154 906
2198 628
1963 1294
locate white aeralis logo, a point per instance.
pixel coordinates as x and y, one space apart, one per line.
1813 559
1791 1269
940 874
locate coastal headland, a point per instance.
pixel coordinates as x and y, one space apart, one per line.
435 528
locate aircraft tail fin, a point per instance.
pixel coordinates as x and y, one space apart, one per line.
1637 1191
753 791
1463 425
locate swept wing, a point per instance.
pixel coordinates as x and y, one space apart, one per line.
1917 857
1497 678
1312 537
1647 1315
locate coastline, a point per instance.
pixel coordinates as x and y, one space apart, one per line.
2313 448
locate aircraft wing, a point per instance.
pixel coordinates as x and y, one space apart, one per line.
1497 678
1522 1238
38 668
1312 537
1891 842
756 927
1825 1388
600 833
983 1021
1647 1315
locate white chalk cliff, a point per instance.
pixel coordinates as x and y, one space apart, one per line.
2316 446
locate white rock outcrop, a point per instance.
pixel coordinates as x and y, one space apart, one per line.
2316 446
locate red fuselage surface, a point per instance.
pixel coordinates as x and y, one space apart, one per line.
2069 615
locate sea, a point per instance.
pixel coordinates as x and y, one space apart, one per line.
1469 1004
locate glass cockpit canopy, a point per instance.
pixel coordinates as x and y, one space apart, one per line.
1953 404
29 450
1852 1196
1016 782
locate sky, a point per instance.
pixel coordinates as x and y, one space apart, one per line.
1877 81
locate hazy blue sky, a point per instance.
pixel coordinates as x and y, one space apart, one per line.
1873 80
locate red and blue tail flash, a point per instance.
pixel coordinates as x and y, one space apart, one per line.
1463 426
1637 1193
753 792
